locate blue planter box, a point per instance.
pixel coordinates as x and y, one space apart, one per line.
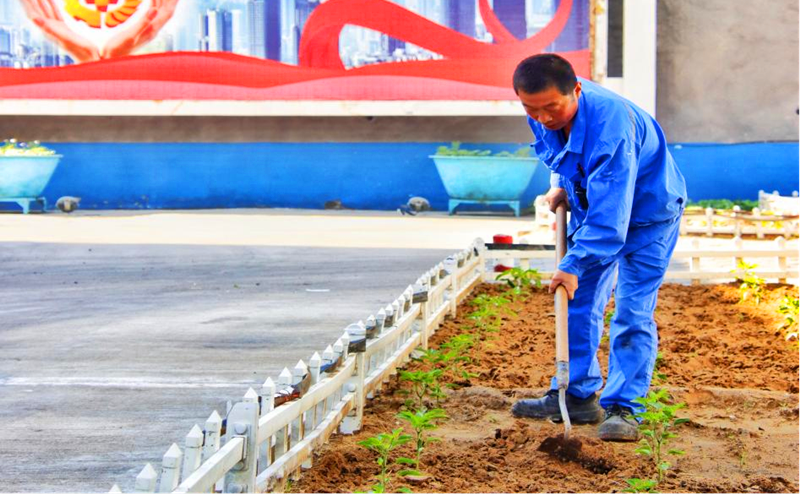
485 179
23 178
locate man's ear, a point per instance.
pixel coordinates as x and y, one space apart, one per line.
577 91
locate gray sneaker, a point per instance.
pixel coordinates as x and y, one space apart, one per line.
581 411
619 425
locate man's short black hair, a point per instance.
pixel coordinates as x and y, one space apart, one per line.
540 72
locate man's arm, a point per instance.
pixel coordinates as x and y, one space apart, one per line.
612 177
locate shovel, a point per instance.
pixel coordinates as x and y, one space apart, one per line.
562 325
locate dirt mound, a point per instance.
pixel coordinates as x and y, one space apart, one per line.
727 361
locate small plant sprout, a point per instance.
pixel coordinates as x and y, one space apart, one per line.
423 384
519 281
383 444
752 286
657 422
420 421
636 485
659 377
789 310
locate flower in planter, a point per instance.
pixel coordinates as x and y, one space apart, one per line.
12 147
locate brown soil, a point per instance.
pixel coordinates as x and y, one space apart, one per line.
727 361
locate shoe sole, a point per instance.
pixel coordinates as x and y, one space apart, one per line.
611 437
581 418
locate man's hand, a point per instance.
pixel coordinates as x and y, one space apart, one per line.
568 280
555 196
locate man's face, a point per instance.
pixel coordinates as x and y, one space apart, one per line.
551 108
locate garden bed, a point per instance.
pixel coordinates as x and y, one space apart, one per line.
726 360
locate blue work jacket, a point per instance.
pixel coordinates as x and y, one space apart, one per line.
620 178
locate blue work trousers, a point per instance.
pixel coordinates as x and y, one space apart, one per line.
642 264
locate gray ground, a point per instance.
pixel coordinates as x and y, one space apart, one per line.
109 353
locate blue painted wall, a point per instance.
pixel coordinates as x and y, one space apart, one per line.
377 176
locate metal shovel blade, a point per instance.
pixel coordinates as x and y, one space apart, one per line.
562 405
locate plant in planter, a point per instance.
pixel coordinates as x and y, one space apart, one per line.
25 170
480 177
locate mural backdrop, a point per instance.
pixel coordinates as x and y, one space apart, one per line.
280 49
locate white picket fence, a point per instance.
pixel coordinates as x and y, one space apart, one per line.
268 437
724 262
775 215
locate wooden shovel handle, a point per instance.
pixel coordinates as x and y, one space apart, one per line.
561 297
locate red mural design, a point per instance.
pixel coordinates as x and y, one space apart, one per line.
470 69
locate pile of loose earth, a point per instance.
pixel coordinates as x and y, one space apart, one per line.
728 361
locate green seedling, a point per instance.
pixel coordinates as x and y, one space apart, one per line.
658 376
423 384
725 204
420 421
788 308
752 286
636 485
656 426
521 278
456 351
383 444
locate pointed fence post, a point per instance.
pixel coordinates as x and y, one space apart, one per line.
737 221
737 243
694 263
328 356
267 405
709 222
146 480
115 489
480 247
352 422
421 294
243 423
211 442
759 225
170 469
780 243
282 436
338 351
451 265
316 415
192 451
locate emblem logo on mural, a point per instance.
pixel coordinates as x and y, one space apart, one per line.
97 13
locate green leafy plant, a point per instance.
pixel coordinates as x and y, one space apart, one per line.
725 204
455 149
383 444
752 286
636 485
658 376
456 351
788 308
423 384
521 277
657 423
12 147
420 421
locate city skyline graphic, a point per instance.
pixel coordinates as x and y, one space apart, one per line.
272 30
285 49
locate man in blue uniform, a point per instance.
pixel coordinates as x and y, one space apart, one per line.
609 162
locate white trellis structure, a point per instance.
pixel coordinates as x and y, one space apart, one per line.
269 436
